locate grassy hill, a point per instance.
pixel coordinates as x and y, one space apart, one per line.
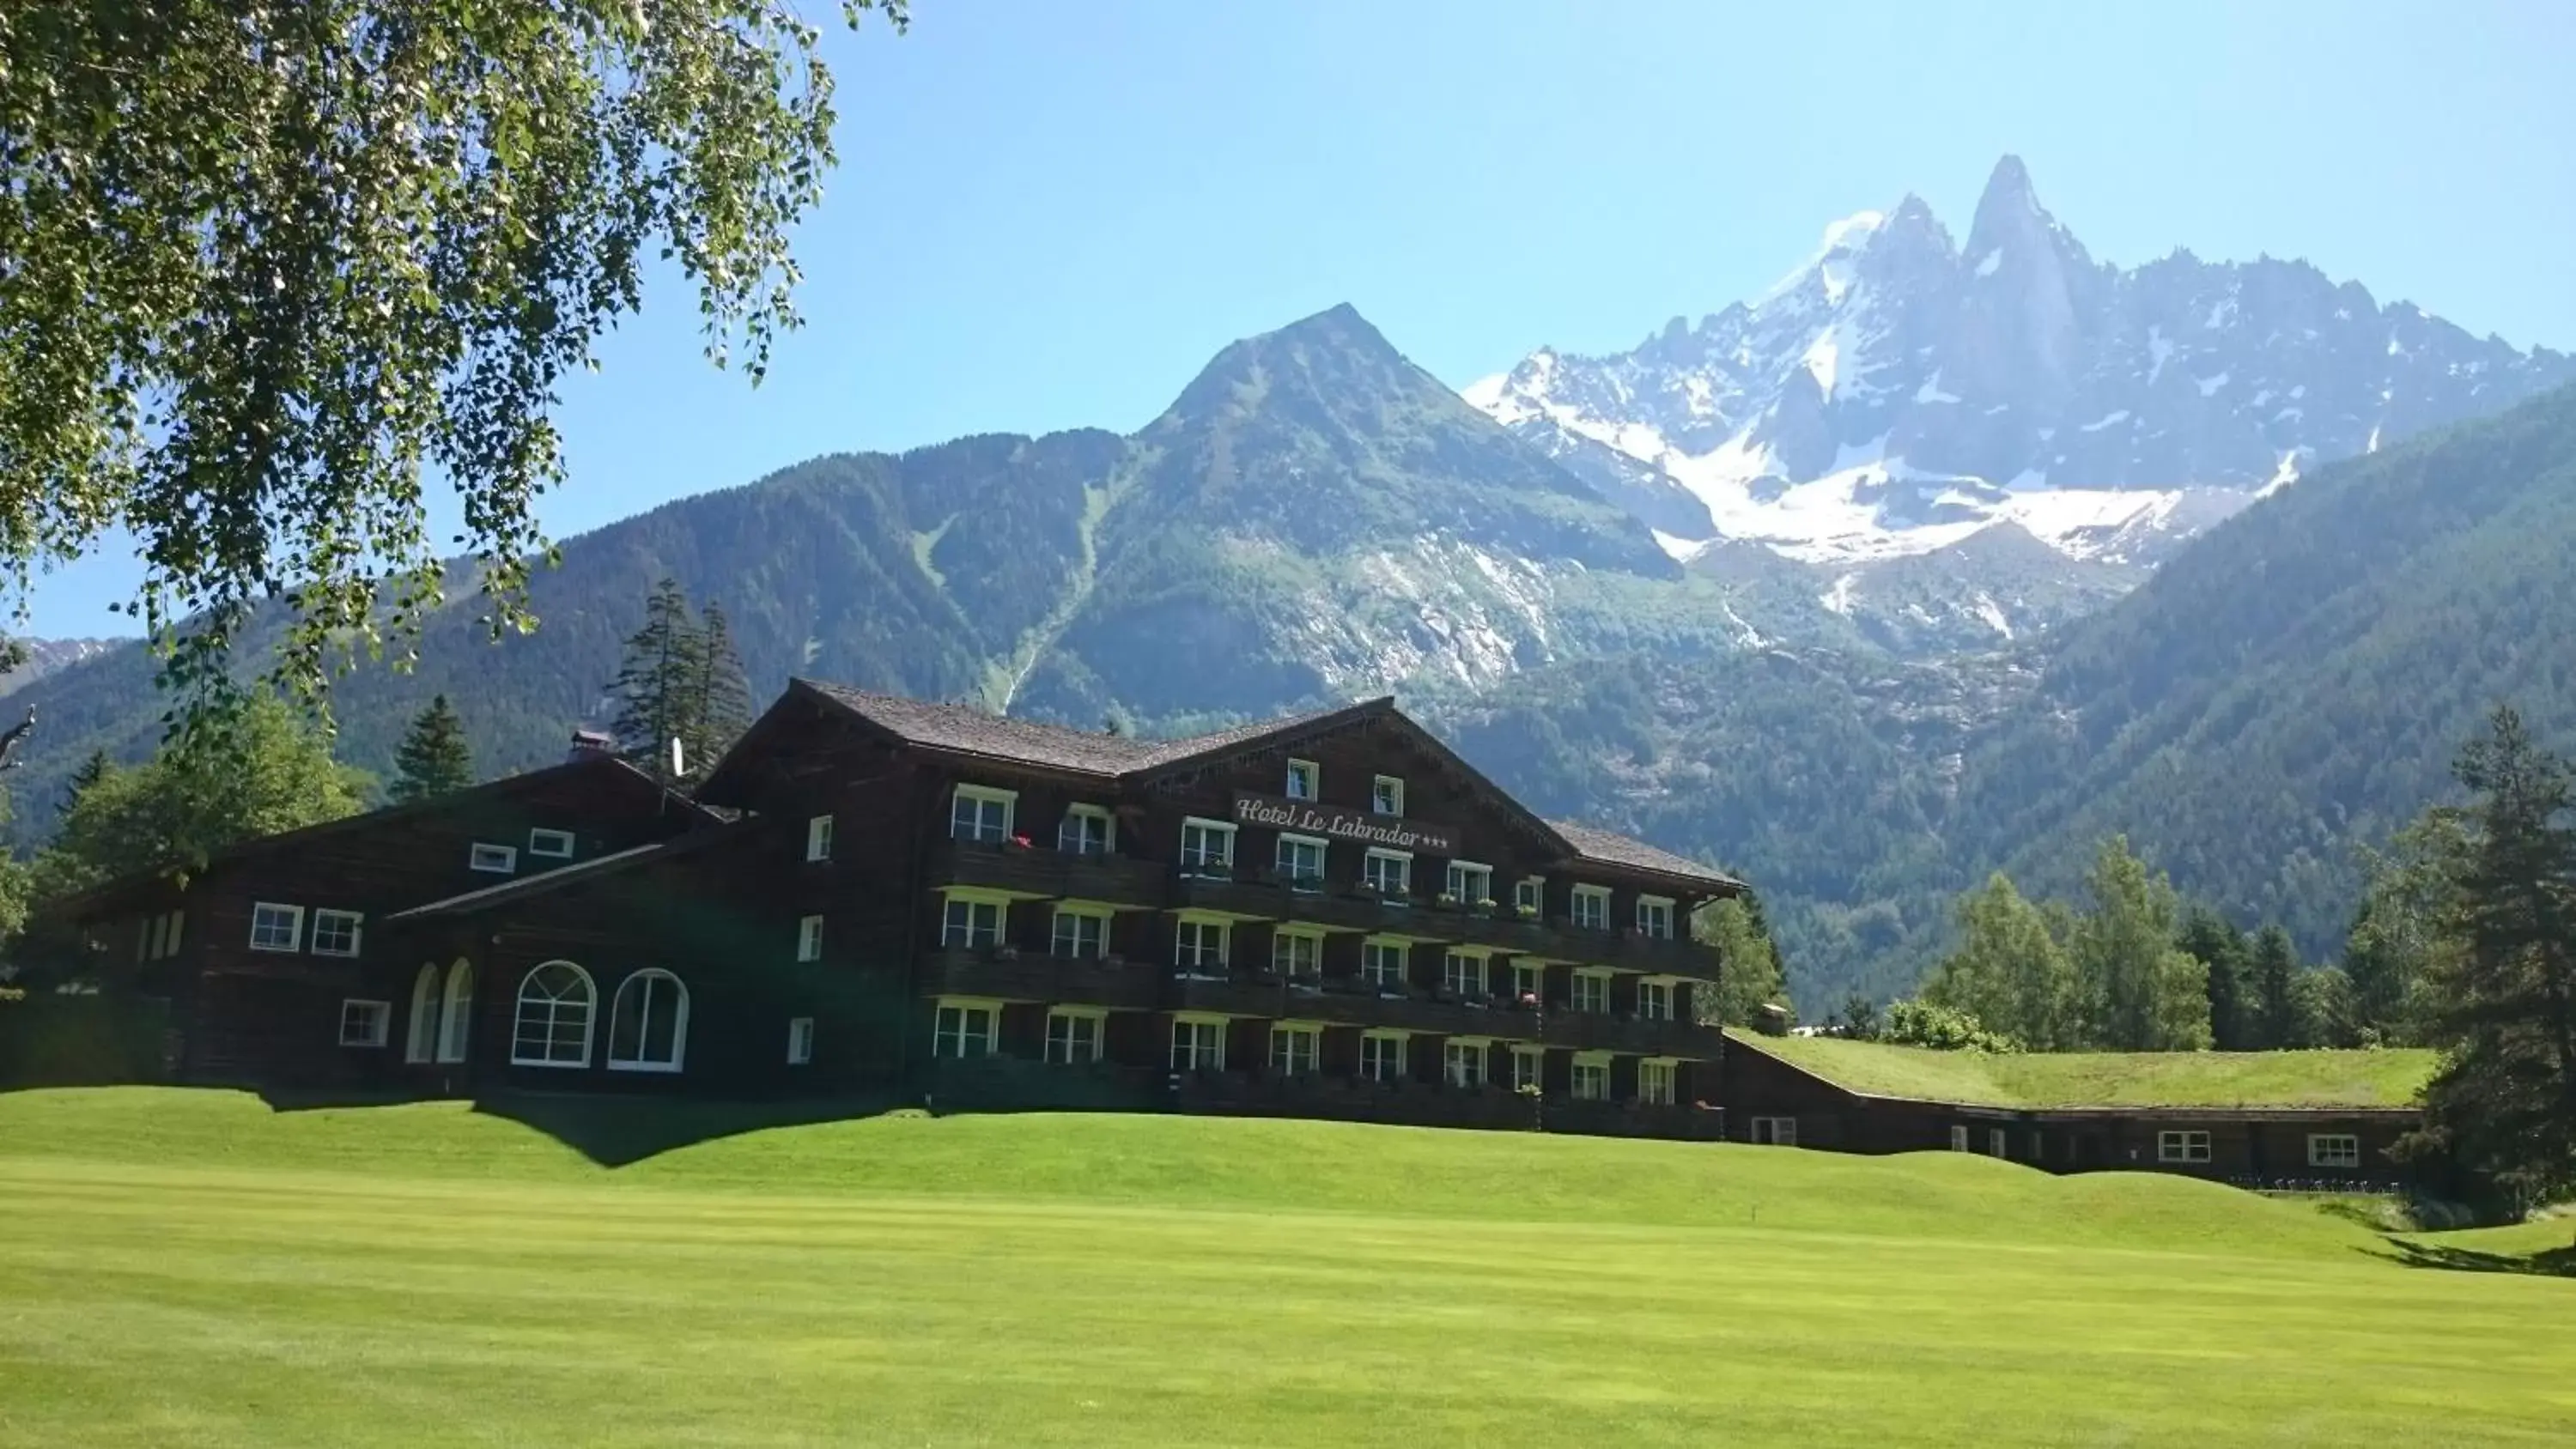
190 1268
2390 1078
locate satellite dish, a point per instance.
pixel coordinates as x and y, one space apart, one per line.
679 761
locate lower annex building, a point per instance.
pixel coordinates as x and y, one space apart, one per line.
1332 916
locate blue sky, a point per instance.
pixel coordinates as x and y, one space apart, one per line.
1052 214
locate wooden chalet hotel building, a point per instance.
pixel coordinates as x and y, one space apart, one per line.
1326 916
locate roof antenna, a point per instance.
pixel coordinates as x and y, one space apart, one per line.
679 759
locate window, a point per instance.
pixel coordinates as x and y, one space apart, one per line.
159 940
492 859
1655 1083
2333 1149
1303 779
800 1040
818 838
648 1023
276 928
170 942
1529 1065
1073 1038
1592 991
552 844
970 924
1081 935
1382 1057
1199 945
1207 846
981 815
1463 974
1775 1131
1382 963
1471 884
335 933
1085 830
456 1015
1294 1050
1592 908
1386 797
1958 1138
362 1023
553 1023
1529 896
965 1029
1529 983
1655 917
1591 1080
1655 1000
422 1041
1462 1063
1388 872
1997 1143
1296 953
2182 1147
809 938
1301 862
1198 1045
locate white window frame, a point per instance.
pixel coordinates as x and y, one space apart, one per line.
178 929
456 1011
1594 1071
966 1008
1219 831
553 1006
1314 781
800 1041
1465 973
1386 796
1658 1082
1530 893
1463 1063
1999 1143
1298 880
1655 998
356 922
975 904
1296 1049
1598 918
1773 1132
1076 917
1464 873
818 839
1403 861
1529 979
1387 1060
1108 831
1205 1037
2183 1144
809 939
1075 1052
1958 1137
1283 955
1193 930
2334 1149
1373 962
420 1043
548 844
295 927
1655 916
379 1012
645 981
984 795
1529 1068
1591 999
492 859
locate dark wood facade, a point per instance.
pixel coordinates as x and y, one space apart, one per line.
1772 1101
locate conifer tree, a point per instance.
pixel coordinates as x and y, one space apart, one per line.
2275 970
656 684
2220 947
720 693
92 772
434 758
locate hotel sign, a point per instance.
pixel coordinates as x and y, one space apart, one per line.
1305 817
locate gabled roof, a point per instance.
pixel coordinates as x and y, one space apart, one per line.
484 898
1600 845
2379 1080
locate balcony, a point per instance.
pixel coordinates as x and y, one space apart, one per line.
1351 1099
1679 1120
1633 1035
1006 974
1345 1002
1049 874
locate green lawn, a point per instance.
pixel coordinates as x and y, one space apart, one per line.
2384 1078
188 1268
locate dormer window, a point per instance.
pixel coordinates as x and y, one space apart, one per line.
981 815
1304 780
1387 796
1086 830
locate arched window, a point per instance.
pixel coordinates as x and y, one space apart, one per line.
648 1026
458 1016
553 1024
424 1015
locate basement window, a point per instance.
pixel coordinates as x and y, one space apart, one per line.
2182 1147
2334 1149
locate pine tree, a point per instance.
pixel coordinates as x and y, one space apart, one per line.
656 682
2220 947
720 694
2275 973
93 770
434 758
2504 1100
2140 991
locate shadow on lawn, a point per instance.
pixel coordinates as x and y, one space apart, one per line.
2548 1263
614 1131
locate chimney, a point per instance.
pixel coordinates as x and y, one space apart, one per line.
589 745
